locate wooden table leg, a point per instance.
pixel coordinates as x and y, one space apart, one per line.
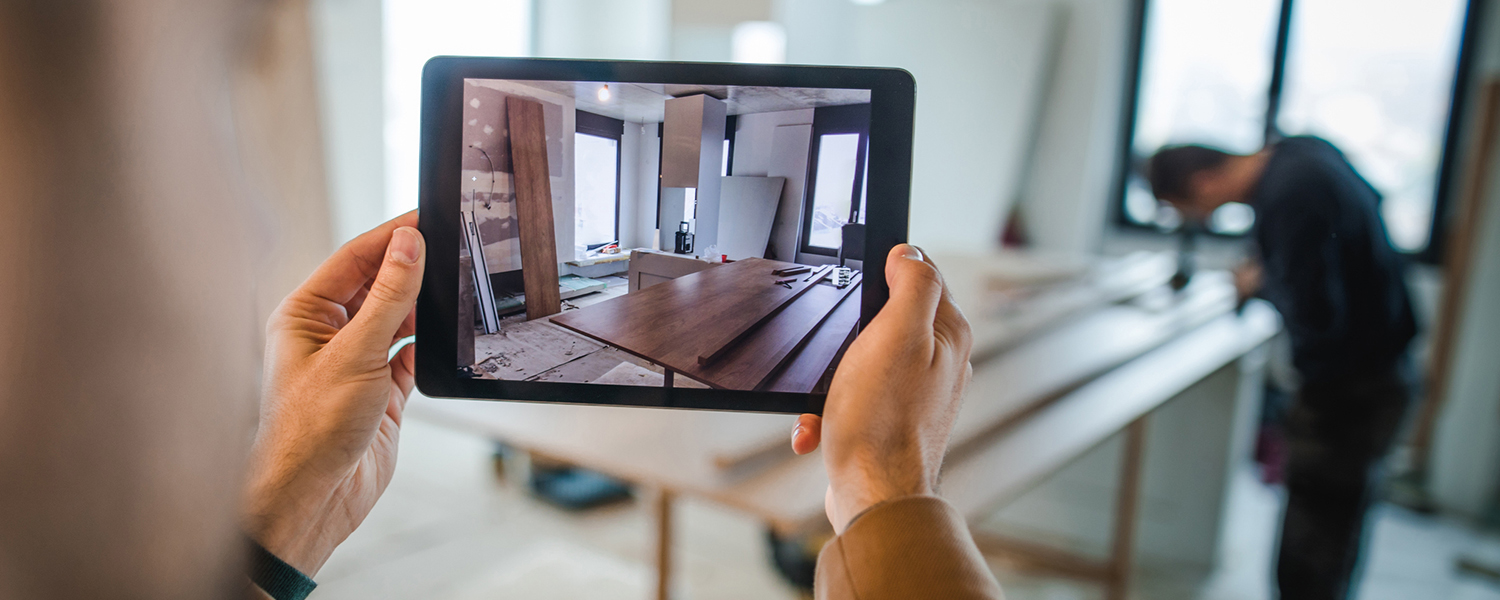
667 379
663 517
1122 551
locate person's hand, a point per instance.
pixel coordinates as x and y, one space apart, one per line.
331 405
1248 278
890 410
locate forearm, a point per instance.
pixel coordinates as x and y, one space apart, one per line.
910 547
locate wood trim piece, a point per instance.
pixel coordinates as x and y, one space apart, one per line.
1127 508
662 515
1460 256
528 150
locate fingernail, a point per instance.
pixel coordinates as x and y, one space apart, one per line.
911 252
405 247
796 431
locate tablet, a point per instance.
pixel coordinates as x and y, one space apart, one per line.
689 235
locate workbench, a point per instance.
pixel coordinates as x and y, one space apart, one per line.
1046 391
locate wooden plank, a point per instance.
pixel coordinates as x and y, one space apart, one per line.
752 363
1067 429
528 149
1458 258
1127 508
662 515
1055 365
735 334
1036 557
789 495
673 323
805 367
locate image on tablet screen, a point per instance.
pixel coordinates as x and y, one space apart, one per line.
659 234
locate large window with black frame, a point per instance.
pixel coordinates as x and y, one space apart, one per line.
835 199
596 145
1381 79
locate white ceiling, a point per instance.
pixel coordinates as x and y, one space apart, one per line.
646 102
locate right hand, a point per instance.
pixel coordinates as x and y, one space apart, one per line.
894 397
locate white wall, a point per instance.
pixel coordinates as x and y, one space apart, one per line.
617 29
1465 469
1065 200
978 65
349 42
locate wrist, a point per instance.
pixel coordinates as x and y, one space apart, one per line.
855 491
289 517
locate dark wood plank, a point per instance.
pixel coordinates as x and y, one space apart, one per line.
673 323
528 149
804 368
733 338
750 364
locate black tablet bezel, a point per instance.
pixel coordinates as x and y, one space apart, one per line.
892 102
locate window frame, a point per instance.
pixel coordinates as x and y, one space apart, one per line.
834 120
588 123
1452 134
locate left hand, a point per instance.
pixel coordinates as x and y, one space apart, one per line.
332 402
1249 276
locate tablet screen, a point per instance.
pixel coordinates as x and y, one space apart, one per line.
660 235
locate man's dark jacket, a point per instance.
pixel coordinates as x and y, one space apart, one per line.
1329 264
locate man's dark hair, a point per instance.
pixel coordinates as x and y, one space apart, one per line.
1172 169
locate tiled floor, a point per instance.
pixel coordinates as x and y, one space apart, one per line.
449 529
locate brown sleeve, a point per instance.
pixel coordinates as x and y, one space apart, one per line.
912 547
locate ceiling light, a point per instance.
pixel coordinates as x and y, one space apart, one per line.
867 2
604 93
758 42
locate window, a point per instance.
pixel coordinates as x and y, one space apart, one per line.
724 162
1204 71
835 196
833 188
595 186
596 181
1375 77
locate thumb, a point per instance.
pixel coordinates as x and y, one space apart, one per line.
392 297
916 289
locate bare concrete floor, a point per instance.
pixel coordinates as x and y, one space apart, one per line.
541 351
449 529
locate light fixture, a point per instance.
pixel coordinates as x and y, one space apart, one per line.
758 42
867 2
604 93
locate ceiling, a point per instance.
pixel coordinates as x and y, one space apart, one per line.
646 102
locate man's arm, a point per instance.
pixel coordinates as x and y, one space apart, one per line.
1304 260
912 547
884 431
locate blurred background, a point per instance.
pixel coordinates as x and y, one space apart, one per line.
1033 119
